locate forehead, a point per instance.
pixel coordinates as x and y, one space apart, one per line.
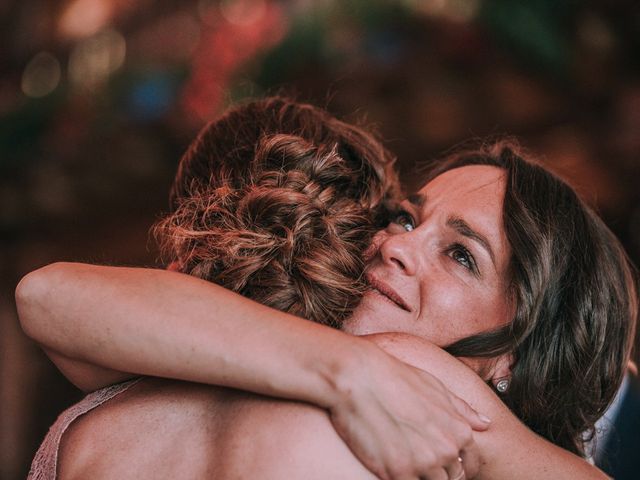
483 183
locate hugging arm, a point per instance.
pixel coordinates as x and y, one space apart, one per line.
105 324
508 449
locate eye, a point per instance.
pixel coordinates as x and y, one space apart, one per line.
460 254
405 220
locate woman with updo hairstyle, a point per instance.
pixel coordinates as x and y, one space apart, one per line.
278 201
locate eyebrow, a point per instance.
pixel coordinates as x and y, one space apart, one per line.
417 199
463 228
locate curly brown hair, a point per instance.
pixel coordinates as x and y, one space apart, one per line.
277 201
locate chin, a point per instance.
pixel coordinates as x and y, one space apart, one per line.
374 314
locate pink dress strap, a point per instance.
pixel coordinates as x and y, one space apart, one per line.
45 462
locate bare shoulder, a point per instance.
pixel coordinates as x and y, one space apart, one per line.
451 371
530 457
157 428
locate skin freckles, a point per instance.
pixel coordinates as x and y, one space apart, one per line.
440 270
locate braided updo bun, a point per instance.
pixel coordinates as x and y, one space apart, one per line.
277 201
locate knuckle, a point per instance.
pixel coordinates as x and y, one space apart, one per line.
436 456
423 468
400 466
428 459
458 426
464 434
448 451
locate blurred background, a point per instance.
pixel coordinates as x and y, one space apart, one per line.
99 98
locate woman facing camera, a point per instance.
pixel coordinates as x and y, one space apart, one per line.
494 260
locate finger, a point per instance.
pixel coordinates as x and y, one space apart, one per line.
455 470
434 474
476 420
471 460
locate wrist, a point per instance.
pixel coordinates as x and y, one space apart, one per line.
346 372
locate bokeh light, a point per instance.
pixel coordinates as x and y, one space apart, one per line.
93 59
454 10
243 12
83 18
41 75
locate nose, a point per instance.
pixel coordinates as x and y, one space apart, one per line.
397 251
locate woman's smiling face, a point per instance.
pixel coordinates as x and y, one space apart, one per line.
440 270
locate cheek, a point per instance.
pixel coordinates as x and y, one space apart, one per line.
451 311
504 310
443 299
445 311
492 311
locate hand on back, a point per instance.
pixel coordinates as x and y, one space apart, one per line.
402 423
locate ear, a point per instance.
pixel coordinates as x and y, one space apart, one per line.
501 369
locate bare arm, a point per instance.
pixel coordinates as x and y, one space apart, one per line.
154 322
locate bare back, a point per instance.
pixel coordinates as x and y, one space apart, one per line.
168 429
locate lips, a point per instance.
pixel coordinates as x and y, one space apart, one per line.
387 291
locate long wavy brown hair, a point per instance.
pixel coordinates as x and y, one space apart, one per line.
576 301
278 200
